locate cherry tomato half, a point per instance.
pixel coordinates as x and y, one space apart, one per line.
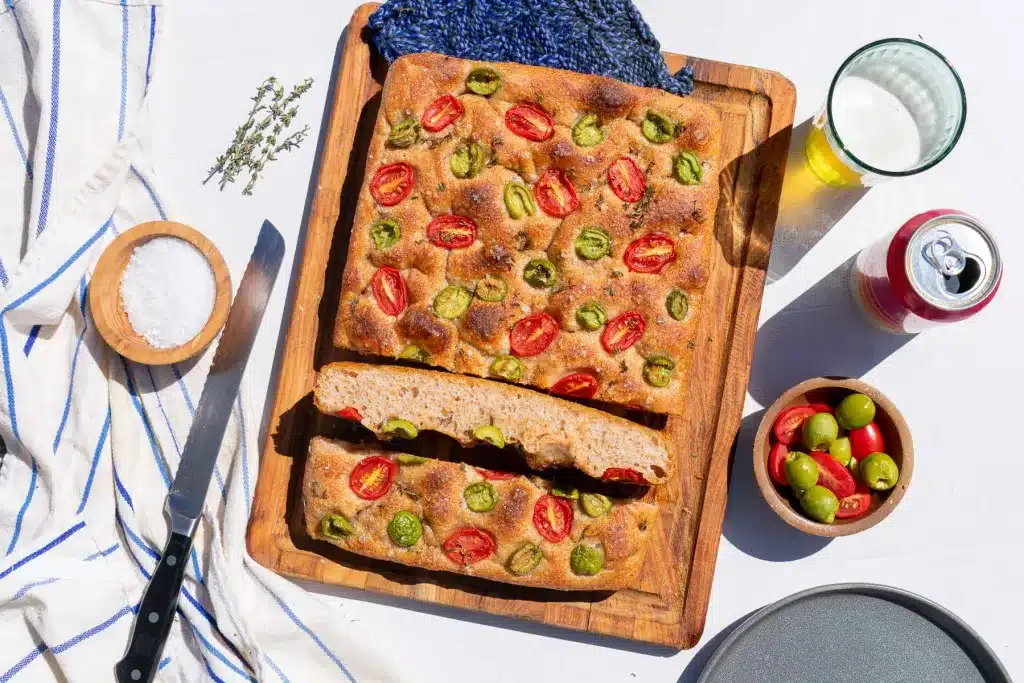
530 121
494 475
834 476
822 408
392 183
856 505
467 546
552 516
555 194
777 464
451 232
389 290
790 422
866 440
623 331
650 253
623 474
533 334
372 477
576 385
627 180
441 113
350 413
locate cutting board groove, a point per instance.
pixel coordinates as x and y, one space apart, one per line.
669 602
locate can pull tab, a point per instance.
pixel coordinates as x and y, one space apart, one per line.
944 254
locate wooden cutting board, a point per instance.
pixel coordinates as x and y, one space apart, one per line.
669 602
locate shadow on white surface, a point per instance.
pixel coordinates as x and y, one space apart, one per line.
808 208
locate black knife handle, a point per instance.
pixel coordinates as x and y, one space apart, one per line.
156 614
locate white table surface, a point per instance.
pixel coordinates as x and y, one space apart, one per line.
958 536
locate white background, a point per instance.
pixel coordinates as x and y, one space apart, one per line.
956 538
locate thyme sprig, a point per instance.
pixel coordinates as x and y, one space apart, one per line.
258 141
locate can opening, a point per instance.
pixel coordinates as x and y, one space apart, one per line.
966 279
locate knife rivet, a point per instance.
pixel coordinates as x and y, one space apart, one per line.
171 560
136 674
153 617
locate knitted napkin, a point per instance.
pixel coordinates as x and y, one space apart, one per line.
604 37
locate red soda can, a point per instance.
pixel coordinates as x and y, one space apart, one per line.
940 267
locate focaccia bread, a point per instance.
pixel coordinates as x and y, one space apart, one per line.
449 516
549 431
542 226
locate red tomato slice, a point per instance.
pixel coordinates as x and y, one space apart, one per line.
822 408
350 413
576 385
555 194
623 474
372 477
392 183
627 180
533 334
789 423
866 440
441 113
777 464
856 505
494 475
451 232
834 476
389 290
623 331
650 253
530 121
467 546
552 516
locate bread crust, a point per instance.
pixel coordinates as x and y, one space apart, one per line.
433 491
503 245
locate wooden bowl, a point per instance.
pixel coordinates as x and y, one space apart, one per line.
108 309
897 442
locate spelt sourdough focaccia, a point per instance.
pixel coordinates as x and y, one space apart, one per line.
542 226
391 401
447 516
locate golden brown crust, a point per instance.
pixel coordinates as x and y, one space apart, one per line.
504 245
433 491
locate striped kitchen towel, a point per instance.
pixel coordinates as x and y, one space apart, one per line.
93 440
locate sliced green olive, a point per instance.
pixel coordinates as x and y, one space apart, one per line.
413 352
452 301
658 370
491 288
405 529
586 560
490 434
404 133
659 129
467 160
591 316
593 243
687 169
385 233
586 132
540 273
410 459
481 496
565 491
509 367
396 428
524 560
677 304
483 81
595 504
518 200
335 526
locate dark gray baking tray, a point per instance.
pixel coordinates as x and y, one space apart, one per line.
854 633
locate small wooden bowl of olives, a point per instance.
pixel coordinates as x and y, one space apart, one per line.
833 456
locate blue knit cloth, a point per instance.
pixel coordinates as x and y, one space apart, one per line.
606 37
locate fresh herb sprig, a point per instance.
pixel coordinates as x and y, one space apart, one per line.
258 141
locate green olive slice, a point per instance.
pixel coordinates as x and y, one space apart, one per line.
687 169
586 132
518 200
565 491
491 288
591 316
595 504
397 428
586 560
452 301
385 233
481 496
658 128
467 160
404 133
658 370
509 367
335 526
490 434
593 243
483 81
405 529
524 560
677 304
410 459
414 352
540 273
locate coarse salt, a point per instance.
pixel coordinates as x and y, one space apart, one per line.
168 290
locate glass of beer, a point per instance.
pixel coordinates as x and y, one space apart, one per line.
896 107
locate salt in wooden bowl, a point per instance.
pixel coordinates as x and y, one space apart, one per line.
897 442
107 307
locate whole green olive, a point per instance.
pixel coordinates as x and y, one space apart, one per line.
658 128
385 233
540 273
490 434
452 301
405 529
509 367
593 243
879 471
591 316
410 459
467 160
658 370
491 288
595 504
401 429
587 132
820 504
801 471
677 304
855 411
413 352
483 81
481 496
518 200
335 527
586 560
820 430
524 560
687 169
841 452
404 133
